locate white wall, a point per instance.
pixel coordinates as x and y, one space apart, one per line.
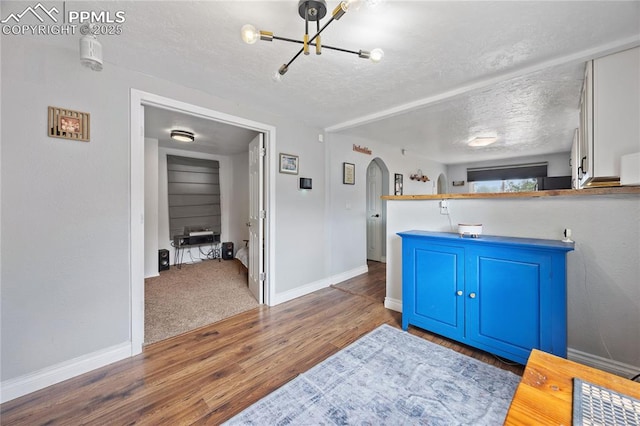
558 165
239 200
73 199
347 203
603 271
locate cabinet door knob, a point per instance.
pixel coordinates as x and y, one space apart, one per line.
472 295
459 292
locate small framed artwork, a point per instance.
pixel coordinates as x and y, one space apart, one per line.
68 124
289 164
398 184
348 173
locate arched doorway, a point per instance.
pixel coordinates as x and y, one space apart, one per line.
442 184
377 186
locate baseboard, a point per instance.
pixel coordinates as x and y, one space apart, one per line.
317 285
393 304
606 364
23 385
347 275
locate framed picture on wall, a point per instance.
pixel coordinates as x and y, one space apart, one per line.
289 164
68 124
348 173
398 184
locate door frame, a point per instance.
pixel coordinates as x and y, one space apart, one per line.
138 100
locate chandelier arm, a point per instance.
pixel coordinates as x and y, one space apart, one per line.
291 40
294 58
322 29
338 49
310 41
318 44
306 30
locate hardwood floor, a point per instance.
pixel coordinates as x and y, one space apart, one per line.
208 375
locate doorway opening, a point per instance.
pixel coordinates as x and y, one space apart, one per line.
139 100
442 184
377 186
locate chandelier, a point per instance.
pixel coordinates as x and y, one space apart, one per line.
310 11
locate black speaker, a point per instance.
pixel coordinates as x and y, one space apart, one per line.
163 260
227 251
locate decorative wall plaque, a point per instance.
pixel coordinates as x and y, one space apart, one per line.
361 149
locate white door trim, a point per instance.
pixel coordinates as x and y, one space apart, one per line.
138 99
375 229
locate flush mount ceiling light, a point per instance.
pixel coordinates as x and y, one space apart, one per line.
310 11
482 141
182 136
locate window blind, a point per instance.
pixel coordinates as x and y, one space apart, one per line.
194 194
519 171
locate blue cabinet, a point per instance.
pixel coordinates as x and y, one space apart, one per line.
503 295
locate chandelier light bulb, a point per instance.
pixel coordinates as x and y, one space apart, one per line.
376 55
249 34
354 4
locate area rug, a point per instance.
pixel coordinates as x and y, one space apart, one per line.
180 300
389 377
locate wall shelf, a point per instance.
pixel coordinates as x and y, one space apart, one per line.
622 190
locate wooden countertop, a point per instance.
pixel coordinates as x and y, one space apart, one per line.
619 190
545 393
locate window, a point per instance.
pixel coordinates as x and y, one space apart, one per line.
511 178
510 185
194 194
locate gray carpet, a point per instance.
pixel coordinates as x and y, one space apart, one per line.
180 300
389 377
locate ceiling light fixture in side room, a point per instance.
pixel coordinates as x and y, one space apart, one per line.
310 11
182 136
482 141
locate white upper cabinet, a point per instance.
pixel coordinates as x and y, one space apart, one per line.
610 117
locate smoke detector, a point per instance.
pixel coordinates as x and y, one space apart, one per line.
91 52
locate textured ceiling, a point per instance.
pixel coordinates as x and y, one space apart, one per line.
210 136
452 69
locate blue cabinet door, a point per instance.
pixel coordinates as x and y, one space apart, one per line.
434 287
504 298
